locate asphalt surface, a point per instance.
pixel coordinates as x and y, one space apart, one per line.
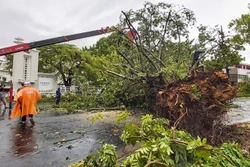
240 113
56 141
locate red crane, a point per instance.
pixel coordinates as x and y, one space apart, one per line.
36 44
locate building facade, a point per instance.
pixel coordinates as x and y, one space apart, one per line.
238 72
25 69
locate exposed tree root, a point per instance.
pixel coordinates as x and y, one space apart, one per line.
197 103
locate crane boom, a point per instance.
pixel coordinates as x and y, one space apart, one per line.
36 44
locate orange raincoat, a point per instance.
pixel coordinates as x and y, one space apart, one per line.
27 98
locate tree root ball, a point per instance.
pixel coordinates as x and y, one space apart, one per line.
197 103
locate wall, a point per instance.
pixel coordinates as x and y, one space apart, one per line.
47 84
25 68
242 73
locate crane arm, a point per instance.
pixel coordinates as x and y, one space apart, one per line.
36 44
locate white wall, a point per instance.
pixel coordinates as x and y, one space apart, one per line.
25 68
242 72
47 83
17 70
34 67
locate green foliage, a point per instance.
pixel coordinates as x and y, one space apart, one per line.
72 102
227 155
107 45
221 49
241 26
8 63
244 88
195 91
243 94
177 148
159 28
107 155
245 85
98 116
63 59
121 117
93 69
155 19
162 146
48 98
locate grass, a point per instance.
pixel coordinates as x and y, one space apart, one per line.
243 94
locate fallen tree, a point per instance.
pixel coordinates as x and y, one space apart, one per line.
158 145
197 103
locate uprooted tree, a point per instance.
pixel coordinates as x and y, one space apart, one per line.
197 103
156 51
158 62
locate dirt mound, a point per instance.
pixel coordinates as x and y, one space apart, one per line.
196 103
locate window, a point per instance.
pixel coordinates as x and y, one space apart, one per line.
240 76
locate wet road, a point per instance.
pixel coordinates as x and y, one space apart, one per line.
55 141
240 114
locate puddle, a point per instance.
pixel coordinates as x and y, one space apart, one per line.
24 140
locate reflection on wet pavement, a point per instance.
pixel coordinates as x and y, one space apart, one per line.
1 118
24 139
4 112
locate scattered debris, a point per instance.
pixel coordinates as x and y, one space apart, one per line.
64 140
70 147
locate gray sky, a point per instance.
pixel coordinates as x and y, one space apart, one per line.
35 20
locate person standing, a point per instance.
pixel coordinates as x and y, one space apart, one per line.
58 95
26 99
196 57
78 91
2 99
22 85
2 104
11 95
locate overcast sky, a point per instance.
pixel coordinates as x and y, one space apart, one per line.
35 20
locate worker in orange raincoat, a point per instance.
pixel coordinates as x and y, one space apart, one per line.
26 100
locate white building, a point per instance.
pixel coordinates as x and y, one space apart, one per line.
25 68
238 72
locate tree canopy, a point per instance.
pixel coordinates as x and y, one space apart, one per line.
63 59
241 26
222 49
